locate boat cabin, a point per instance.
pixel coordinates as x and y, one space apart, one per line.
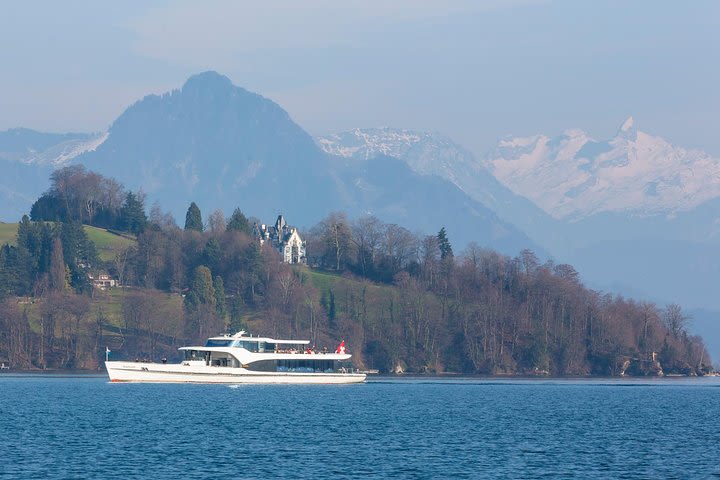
261 354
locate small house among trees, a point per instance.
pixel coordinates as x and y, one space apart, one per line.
102 281
284 238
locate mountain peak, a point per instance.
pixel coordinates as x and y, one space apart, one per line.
209 80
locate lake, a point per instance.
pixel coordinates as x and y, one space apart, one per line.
85 427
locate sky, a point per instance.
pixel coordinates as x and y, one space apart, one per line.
472 70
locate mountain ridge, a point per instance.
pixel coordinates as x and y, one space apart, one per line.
574 176
223 147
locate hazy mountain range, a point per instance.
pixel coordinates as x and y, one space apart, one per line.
634 213
224 147
574 176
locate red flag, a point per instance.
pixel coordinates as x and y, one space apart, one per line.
341 347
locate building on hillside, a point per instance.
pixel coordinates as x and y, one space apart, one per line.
283 238
102 281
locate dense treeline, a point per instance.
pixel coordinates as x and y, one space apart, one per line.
404 301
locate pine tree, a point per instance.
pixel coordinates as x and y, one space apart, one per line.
79 253
220 300
212 255
238 222
132 216
202 285
58 270
444 244
193 218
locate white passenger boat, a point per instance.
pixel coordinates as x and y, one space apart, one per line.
242 358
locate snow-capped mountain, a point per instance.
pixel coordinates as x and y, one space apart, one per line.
434 154
574 176
426 153
51 149
27 157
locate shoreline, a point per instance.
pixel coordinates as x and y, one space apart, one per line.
410 377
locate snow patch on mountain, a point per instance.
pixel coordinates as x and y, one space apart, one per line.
425 152
574 176
59 154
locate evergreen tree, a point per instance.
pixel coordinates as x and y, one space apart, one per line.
238 222
193 218
220 300
58 277
236 309
132 216
202 285
212 255
48 208
34 249
444 244
80 255
8 272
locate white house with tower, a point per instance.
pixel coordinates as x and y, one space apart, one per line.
284 238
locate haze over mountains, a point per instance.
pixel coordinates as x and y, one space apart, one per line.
634 213
27 158
574 176
223 147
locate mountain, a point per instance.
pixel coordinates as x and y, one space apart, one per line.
38 148
27 157
224 147
635 214
218 145
574 176
429 153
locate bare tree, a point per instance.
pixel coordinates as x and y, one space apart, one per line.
675 320
366 235
216 222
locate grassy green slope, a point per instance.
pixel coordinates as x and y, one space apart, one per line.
108 244
8 231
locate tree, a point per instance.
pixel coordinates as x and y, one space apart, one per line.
80 255
331 239
202 285
216 222
239 223
444 244
163 220
220 300
675 319
132 216
58 271
212 255
193 218
366 235
200 305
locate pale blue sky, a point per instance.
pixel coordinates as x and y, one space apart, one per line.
474 71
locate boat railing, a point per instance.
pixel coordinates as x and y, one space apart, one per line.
300 351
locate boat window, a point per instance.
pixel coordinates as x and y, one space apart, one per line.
218 343
195 355
249 346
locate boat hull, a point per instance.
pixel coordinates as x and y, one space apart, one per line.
171 373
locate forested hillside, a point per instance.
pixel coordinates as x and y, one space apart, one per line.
402 302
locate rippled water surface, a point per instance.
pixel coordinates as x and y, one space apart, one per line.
85 427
